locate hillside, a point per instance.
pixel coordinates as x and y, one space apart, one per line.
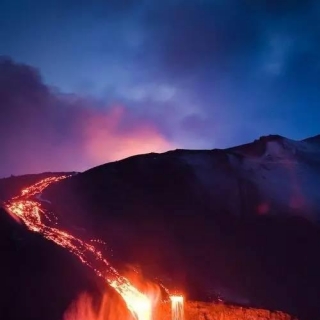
240 223
199 310
38 279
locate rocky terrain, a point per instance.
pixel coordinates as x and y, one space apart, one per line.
240 224
207 311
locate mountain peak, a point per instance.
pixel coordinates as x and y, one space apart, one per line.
314 139
261 146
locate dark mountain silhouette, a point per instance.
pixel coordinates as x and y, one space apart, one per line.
241 223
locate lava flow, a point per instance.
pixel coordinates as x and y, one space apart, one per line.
33 216
177 307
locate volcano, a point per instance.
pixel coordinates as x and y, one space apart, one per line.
239 225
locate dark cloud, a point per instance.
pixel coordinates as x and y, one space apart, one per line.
283 7
227 35
206 73
247 62
44 130
209 35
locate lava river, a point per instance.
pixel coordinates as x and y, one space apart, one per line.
26 208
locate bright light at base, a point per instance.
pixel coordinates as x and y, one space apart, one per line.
177 308
176 298
139 304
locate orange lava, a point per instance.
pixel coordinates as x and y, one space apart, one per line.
177 312
33 215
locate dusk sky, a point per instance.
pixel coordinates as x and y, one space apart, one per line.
87 82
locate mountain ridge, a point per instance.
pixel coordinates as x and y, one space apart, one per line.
241 223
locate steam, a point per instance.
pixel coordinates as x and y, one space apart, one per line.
110 306
85 308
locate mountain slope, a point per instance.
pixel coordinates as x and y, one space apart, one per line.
284 175
240 222
273 175
38 279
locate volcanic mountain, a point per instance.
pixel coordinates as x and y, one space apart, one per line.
241 224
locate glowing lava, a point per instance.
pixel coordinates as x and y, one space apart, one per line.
33 216
177 312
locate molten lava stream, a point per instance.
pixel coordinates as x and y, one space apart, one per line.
32 213
177 311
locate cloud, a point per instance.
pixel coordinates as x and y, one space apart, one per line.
212 34
199 74
105 139
42 129
151 92
243 62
